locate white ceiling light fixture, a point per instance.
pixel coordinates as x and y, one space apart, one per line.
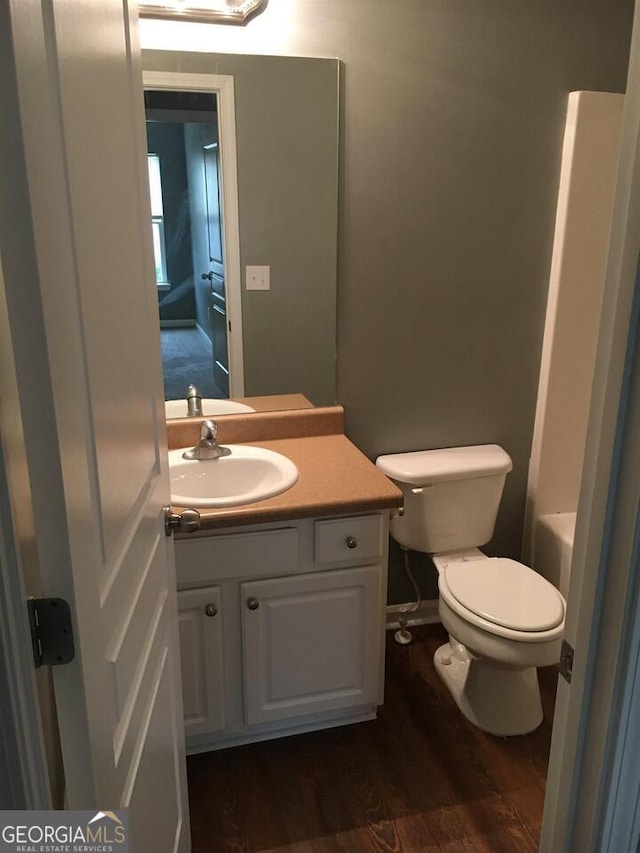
212 11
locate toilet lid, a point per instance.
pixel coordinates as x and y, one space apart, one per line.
506 593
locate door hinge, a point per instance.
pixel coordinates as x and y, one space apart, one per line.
51 631
566 661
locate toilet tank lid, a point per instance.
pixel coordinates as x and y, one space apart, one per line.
420 467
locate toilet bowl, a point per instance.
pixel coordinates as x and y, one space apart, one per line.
503 621
503 618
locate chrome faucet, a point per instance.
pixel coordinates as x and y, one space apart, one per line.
194 402
207 447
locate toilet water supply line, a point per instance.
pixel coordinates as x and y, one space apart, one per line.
403 635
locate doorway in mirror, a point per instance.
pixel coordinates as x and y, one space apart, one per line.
183 156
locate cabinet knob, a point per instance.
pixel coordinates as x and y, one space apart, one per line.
253 604
211 610
351 542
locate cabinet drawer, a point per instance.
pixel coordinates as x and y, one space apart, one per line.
345 539
236 555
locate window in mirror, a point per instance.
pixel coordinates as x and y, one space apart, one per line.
157 221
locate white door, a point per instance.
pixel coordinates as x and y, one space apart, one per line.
79 280
215 267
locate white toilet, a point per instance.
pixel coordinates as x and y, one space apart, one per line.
503 618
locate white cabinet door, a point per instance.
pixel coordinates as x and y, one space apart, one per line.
200 620
311 643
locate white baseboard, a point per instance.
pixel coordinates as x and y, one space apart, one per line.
426 614
205 337
177 324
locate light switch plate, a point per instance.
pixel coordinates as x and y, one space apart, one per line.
257 278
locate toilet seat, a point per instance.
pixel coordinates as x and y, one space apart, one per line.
503 597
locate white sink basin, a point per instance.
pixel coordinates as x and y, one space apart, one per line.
249 474
178 408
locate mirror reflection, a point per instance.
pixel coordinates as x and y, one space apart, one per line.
286 122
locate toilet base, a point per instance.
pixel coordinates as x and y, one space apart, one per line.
498 700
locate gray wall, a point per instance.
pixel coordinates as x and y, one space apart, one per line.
287 113
287 142
453 124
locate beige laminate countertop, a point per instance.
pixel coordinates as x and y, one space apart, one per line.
335 479
276 402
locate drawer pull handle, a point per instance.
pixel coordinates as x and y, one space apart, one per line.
351 542
253 604
211 610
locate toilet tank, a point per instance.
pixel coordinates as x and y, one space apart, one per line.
451 496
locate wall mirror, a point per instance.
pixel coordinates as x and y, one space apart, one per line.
243 166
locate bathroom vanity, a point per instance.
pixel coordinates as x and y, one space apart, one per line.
281 627
282 603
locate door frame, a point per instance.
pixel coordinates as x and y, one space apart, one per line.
23 759
223 87
618 807
593 712
23 764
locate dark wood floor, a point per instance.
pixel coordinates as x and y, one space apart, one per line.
419 778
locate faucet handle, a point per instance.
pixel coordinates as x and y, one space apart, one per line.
208 430
207 447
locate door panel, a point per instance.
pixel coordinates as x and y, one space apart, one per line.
134 630
218 309
129 734
147 799
218 320
214 216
